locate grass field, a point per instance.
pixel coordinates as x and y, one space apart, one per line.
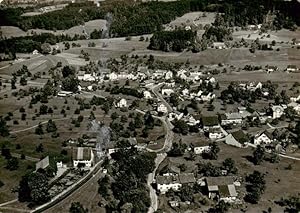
280 181
88 27
11 178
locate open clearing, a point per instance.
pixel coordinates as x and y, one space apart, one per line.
194 19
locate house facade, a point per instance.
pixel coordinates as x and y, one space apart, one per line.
263 138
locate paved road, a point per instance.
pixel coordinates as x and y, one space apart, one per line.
155 90
153 196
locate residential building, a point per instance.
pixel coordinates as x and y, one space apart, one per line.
169 75
277 111
219 45
263 138
83 156
201 149
221 188
210 122
162 108
231 118
147 95
271 69
291 68
215 133
173 181
238 139
167 92
122 103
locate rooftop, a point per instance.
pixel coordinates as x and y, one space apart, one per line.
240 136
218 181
210 120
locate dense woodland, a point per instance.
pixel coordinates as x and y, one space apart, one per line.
177 40
128 18
141 18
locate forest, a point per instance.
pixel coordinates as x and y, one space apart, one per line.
176 40
132 18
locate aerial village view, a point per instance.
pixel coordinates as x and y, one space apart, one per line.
163 106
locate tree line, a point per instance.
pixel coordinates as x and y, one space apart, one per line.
142 18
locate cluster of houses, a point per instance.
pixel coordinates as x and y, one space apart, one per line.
216 188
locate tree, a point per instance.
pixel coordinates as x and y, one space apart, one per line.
77 207
114 116
51 127
181 127
33 187
5 152
45 48
256 186
68 71
221 207
12 164
258 155
38 184
40 148
3 128
214 150
67 45
229 165
39 130
23 81
274 157
178 149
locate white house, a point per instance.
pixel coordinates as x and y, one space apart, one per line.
271 69
295 106
216 133
182 74
263 138
192 121
169 75
147 95
35 52
208 97
291 68
84 156
201 149
185 92
162 108
113 76
167 92
173 181
219 45
86 77
277 111
295 99
122 103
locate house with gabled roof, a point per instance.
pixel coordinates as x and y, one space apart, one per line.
173 181
263 138
221 188
237 138
83 156
210 122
